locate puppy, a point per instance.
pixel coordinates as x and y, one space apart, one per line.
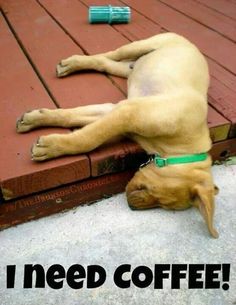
165 112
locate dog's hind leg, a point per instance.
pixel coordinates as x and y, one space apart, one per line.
68 118
118 62
99 63
136 49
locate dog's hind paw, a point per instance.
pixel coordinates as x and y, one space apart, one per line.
68 66
62 71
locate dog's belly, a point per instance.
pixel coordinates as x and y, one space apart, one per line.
145 80
146 86
166 70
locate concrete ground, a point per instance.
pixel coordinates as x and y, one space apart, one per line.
109 234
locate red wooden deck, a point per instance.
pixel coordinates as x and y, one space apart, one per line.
36 34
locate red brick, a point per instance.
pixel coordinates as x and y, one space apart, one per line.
116 157
63 198
223 150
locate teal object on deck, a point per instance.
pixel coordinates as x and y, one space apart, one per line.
109 14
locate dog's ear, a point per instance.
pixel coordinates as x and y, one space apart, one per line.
204 200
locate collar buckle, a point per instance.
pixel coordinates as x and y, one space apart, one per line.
161 162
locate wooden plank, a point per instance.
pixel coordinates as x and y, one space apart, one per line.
46 44
60 199
227 8
206 39
21 90
224 76
224 101
203 14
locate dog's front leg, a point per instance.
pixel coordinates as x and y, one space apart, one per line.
86 139
73 117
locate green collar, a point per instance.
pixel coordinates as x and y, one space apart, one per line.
161 162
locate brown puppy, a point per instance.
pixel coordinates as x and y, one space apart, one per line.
165 112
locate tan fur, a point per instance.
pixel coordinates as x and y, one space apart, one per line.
165 112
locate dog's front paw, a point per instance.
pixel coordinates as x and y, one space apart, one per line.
69 65
30 120
48 147
22 126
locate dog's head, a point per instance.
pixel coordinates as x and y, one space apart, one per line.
175 187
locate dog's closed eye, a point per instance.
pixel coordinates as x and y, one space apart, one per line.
141 187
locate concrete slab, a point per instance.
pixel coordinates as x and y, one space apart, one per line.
109 234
